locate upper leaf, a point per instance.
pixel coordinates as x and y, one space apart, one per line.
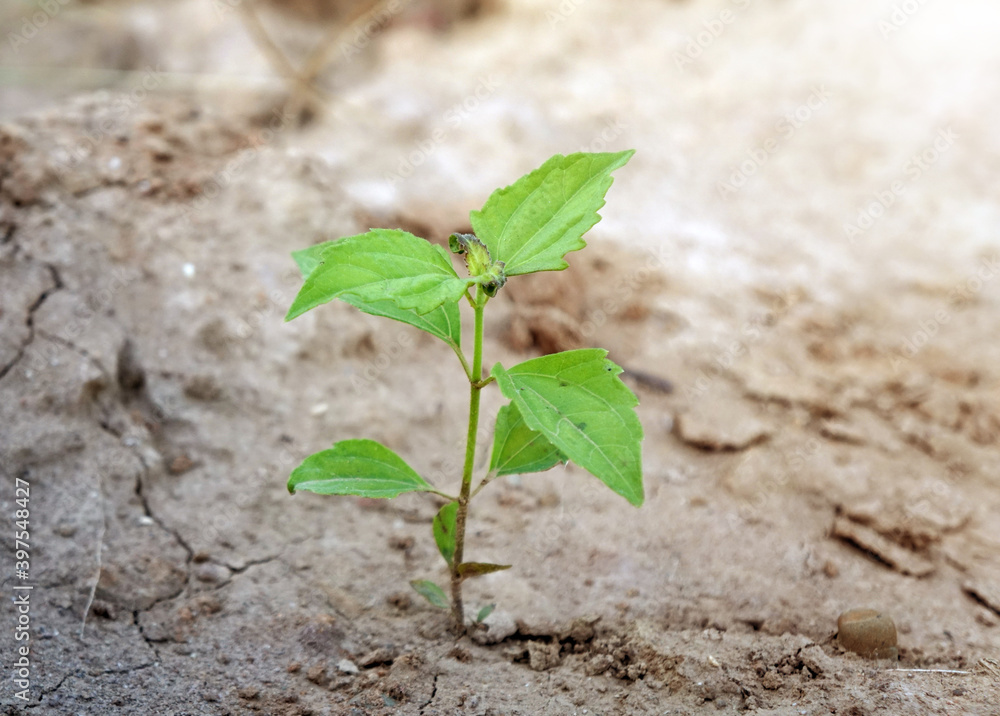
309 258
443 322
531 224
381 264
576 400
444 530
517 448
357 467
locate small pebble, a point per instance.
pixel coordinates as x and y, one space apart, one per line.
317 674
868 633
180 464
249 693
211 573
347 666
771 681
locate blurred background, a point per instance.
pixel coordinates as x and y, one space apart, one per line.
766 131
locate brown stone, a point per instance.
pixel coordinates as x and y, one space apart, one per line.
771 680
542 656
868 633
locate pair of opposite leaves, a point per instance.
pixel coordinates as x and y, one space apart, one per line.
568 405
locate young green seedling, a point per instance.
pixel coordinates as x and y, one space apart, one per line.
565 406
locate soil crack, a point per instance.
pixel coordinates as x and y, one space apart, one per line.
249 564
140 493
151 643
29 320
236 571
81 673
80 351
148 512
430 699
130 669
66 676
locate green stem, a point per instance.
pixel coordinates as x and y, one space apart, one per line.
475 386
485 481
465 363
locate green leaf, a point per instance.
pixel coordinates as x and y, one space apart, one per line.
356 467
443 322
381 264
531 224
431 592
478 569
576 400
444 530
519 449
485 612
309 258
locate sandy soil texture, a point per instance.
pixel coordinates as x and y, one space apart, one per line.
799 271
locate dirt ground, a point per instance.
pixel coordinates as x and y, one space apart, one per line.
798 270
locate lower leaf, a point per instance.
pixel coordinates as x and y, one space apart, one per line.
357 467
444 530
478 569
431 592
578 402
519 449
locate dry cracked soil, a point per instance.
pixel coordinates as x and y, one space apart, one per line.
821 409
